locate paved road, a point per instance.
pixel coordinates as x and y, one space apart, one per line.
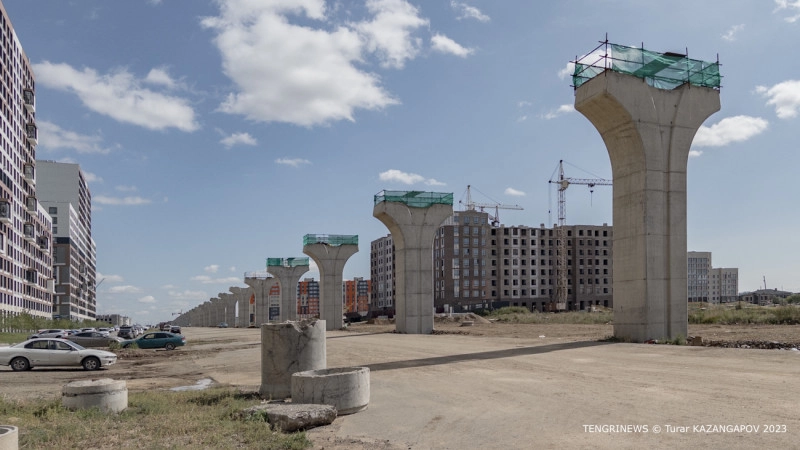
467 392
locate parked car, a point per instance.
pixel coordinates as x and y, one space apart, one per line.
126 332
166 327
93 339
53 352
51 333
156 339
222 325
175 329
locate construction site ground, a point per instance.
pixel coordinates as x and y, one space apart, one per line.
502 386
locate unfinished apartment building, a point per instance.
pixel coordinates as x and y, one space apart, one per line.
481 265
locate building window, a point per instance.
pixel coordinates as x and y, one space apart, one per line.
52 210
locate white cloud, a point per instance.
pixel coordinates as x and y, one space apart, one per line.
92 178
291 73
126 289
730 35
389 32
119 95
238 138
53 137
205 279
407 178
160 77
514 192
792 6
694 153
469 12
232 269
213 268
784 96
147 299
125 201
560 111
126 188
294 162
109 278
729 130
567 71
524 104
444 44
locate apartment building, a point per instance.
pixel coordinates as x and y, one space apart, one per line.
381 266
307 298
355 295
708 284
25 226
65 194
480 265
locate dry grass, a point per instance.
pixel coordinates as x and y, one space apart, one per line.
153 420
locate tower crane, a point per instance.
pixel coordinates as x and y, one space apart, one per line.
471 205
560 301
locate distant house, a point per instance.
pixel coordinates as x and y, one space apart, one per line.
763 297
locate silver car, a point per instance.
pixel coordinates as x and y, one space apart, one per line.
53 352
52 333
93 339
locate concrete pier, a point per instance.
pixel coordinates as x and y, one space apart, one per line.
288 272
331 253
648 133
261 284
413 218
287 348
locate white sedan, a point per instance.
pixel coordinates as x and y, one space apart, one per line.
53 352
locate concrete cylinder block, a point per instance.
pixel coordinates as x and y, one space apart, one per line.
9 437
104 393
287 348
345 388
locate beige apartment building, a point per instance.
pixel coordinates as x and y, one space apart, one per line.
25 227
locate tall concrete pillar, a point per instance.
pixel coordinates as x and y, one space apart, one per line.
331 253
288 272
261 284
239 307
229 310
413 218
648 133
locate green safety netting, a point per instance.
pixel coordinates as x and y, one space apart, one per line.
330 239
287 262
418 199
660 70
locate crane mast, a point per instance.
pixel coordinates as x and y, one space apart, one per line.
560 301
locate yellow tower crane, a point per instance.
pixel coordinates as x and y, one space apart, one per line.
559 302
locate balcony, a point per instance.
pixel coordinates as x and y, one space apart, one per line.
29 231
31 204
31 133
5 211
29 99
31 276
29 172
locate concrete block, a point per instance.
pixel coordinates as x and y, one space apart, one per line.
9 437
104 393
291 417
287 348
346 388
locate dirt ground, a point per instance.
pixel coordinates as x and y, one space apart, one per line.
492 352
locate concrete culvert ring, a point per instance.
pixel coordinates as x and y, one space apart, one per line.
345 388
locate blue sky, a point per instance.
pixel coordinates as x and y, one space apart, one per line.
218 133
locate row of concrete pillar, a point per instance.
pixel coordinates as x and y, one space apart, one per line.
648 133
